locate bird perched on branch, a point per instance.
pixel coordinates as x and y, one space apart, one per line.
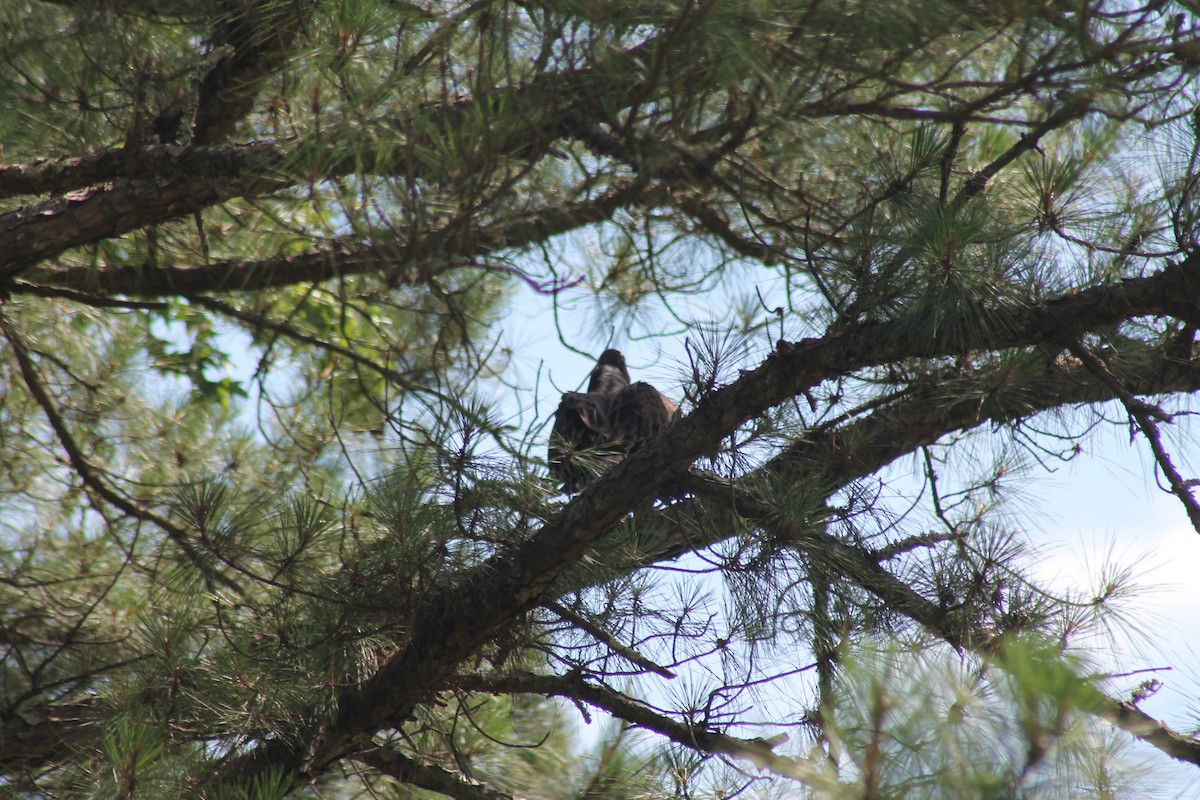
597 429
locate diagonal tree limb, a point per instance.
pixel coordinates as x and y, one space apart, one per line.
430 778
693 736
601 635
1071 108
837 455
1137 723
997 396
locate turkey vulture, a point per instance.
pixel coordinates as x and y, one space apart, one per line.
596 429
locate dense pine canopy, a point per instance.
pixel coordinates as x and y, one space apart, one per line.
275 514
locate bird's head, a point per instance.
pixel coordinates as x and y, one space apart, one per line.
612 358
610 374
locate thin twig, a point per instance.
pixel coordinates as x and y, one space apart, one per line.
1072 107
604 636
1143 414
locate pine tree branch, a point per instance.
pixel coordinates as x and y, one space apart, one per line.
959 631
86 298
1072 107
260 323
834 555
1137 723
258 37
839 454
42 230
697 737
39 734
60 175
433 779
548 107
602 636
996 395
164 280
716 224
154 184
1007 400
400 261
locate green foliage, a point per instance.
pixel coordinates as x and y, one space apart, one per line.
914 723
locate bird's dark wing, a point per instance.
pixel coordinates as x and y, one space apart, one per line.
581 440
637 414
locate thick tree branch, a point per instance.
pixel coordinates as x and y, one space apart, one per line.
259 36
45 229
997 395
829 458
164 280
551 105
402 262
230 162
